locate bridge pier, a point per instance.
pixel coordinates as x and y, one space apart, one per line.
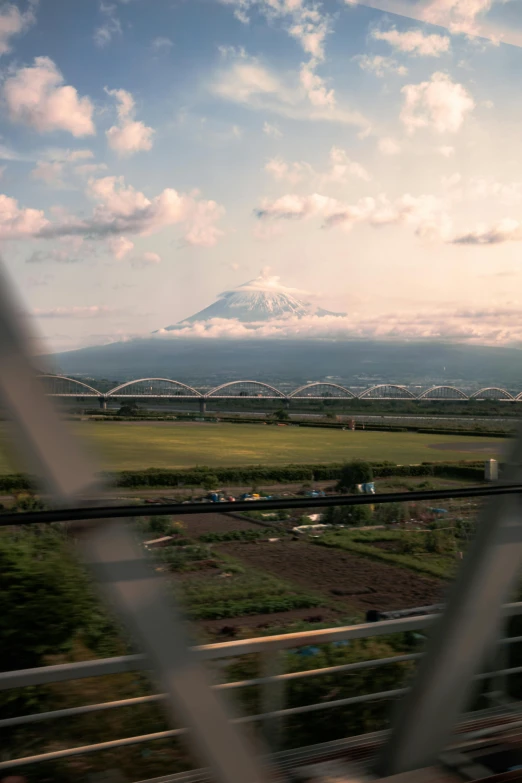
202 406
286 402
103 403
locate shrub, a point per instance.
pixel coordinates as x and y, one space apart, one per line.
412 543
391 513
210 481
353 516
233 535
160 525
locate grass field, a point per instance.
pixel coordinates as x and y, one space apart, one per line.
134 446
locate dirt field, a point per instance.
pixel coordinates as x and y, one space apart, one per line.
244 626
199 524
361 582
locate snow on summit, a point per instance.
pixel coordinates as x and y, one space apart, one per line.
257 301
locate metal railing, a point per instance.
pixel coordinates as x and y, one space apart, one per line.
273 677
272 682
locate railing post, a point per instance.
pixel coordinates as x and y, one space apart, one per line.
272 696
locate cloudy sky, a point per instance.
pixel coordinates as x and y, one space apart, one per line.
156 152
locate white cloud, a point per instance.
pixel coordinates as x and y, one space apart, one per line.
247 82
129 136
509 194
162 43
341 169
94 311
303 19
468 17
16 223
305 22
74 155
460 16
13 22
506 230
446 151
120 247
426 213
59 162
379 65
272 130
122 209
288 172
119 210
494 325
90 169
439 104
388 146
110 27
315 87
414 42
65 155
7 153
50 172
36 96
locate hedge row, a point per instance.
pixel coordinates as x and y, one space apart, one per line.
410 428
260 474
375 427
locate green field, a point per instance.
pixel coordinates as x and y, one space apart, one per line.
138 445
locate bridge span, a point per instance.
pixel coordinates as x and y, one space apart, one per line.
167 388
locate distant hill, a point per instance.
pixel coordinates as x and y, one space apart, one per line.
359 362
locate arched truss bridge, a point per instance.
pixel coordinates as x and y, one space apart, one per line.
165 388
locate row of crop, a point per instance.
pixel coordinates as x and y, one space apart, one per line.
234 535
260 474
408 561
268 604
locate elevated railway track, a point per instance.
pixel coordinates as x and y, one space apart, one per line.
169 389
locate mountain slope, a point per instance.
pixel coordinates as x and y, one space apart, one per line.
362 362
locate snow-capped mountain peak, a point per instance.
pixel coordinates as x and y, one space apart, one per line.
261 299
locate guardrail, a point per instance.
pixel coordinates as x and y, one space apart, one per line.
272 681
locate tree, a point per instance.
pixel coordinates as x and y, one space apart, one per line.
47 603
353 473
352 516
281 415
210 482
45 597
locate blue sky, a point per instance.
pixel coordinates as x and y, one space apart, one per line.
157 152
